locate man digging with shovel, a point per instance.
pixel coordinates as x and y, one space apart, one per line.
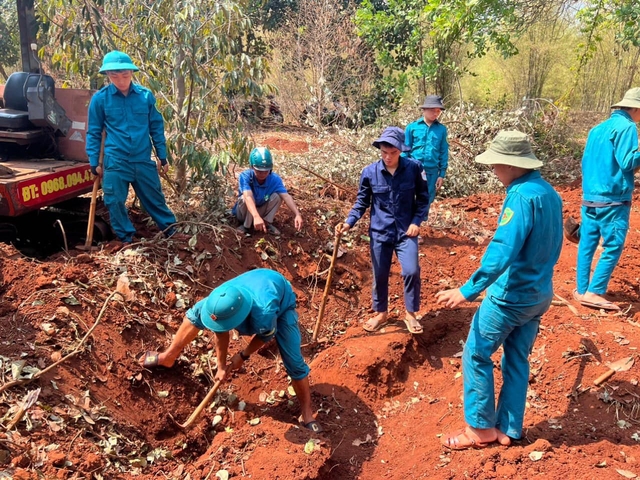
260 303
516 270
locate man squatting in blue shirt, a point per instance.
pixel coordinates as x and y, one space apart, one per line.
396 190
259 303
427 139
516 270
260 194
127 112
610 157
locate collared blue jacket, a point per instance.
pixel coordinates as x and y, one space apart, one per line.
428 145
271 294
396 201
131 123
609 159
517 267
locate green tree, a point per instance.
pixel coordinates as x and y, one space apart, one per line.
9 41
195 56
429 40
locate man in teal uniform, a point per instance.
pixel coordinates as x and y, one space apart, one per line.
127 113
260 194
427 139
259 303
608 163
516 270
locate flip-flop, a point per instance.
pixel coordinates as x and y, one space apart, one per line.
150 359
413 329
314 426
368 328
461 441
606 305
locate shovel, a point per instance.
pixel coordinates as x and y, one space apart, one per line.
327 287
92 209
621 365
196 413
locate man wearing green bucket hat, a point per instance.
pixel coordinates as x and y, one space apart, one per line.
610 157
516 270
127 113
259 303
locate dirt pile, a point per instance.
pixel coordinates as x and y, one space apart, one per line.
383 398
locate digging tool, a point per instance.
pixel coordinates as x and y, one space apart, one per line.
94 199
621 365
327 287
196 413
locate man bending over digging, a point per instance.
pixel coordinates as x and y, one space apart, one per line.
260 303
516 270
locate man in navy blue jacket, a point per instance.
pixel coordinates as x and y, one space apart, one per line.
396 190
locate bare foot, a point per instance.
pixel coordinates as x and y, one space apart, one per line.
503 439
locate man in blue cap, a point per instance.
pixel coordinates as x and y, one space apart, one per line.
259 303
260 194
427 141
396 190
127 113
517 271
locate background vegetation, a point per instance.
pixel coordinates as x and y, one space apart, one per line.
550 68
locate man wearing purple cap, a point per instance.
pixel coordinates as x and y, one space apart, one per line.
396 190
259 303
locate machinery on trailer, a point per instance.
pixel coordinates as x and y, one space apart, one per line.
42 145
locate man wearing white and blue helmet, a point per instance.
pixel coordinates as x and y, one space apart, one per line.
260 194
261 304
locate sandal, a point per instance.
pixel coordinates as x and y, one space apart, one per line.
460 440
413 325
373 325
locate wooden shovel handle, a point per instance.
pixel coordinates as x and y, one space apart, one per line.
327 287
206 401
94 197
604 377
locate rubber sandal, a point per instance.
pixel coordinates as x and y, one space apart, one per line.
368 328
314 426
461 441
605 305
149 360
413 329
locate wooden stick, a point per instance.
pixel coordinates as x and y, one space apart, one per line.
327 287
14 383
344 189
201 407
604 377
94 197
564 301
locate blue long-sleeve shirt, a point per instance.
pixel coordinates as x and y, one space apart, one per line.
396 201
517 267
131 124
610 157
428 145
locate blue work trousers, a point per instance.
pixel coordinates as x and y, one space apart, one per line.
515 328
432 177
381 255
289 340
611 223
143 176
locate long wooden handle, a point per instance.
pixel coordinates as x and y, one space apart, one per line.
94 197
206 401
604 377
327 287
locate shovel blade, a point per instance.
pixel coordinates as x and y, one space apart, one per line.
622 365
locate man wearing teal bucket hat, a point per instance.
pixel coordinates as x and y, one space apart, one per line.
127 113
259 303
516 271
